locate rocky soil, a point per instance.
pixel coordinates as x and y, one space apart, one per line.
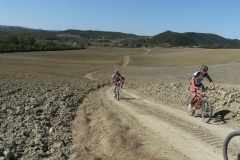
36 113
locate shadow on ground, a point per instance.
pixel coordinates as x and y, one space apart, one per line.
223 116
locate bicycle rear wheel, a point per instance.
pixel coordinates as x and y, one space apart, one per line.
190 112
206 110
231 146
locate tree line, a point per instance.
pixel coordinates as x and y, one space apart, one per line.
25 40
19 42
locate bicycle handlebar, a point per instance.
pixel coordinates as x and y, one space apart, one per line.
206 89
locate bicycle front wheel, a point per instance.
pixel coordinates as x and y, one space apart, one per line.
206 110
231 146
118 94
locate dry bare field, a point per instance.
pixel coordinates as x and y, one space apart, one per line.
185 57
66 63
61 104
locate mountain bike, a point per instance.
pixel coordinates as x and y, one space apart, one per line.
118 88
201 102
231 146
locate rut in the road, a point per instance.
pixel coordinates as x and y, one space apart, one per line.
199 132
103 135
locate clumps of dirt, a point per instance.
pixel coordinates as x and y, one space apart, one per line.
36 112
224 98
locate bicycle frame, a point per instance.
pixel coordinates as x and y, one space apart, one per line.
202 102
198 100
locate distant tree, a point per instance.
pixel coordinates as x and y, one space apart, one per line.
10 39
30 40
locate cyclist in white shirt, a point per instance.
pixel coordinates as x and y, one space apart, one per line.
196 83
115 78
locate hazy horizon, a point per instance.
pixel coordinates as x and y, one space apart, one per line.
144 18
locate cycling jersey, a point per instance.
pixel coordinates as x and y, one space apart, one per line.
117 77
198 80
200 77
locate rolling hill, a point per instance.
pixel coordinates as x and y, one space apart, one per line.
11 37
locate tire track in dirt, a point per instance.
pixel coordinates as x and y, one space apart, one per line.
90 76
125 61
200 132
126 58
151 138
194 138
236 60
148 50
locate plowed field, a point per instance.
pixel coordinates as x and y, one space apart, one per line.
150 120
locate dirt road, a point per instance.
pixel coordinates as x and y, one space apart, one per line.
164 131
158 129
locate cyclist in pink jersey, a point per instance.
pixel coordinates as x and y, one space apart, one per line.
196 83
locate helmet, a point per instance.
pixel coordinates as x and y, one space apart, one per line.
116 71
204 68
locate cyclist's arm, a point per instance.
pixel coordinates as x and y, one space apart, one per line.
212 83
113 79
193 81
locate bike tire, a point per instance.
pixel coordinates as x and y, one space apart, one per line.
206 108
118 95
190 113
231 146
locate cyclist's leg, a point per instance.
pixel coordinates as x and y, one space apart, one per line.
201 87
114 90
194 94
122 83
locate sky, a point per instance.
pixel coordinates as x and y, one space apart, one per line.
139 17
